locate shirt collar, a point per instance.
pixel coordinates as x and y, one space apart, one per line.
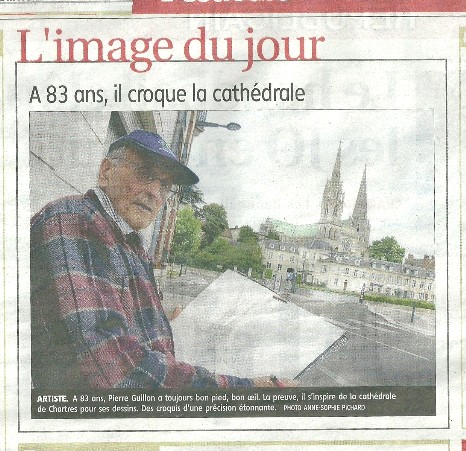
110 210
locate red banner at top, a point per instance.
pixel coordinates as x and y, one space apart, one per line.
294 6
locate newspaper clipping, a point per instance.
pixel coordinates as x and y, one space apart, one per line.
232 225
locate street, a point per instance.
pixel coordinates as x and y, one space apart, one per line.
381 348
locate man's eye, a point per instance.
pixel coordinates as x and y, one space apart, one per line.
146 175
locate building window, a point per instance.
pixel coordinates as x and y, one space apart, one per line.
335 282
279 267
355 273
292 249
270 254
280 257
421 296
421 285
272 246
292 259
269 265
413 283
346 270
324 268
282 248
304 254
429 287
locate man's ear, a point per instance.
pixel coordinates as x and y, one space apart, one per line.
105 167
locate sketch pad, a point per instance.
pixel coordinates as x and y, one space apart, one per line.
238 327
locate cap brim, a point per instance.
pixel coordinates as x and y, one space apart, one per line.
182 175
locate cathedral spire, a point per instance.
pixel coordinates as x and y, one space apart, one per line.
332 199
360 207
337 167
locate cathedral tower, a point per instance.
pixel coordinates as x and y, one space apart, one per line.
359 219
349 236
332 199
332 205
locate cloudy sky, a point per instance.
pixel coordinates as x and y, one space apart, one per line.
277 164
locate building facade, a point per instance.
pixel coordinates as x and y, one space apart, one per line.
339 271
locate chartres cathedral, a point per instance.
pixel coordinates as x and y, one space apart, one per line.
335 252
347 236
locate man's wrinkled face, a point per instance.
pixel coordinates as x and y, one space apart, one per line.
137 187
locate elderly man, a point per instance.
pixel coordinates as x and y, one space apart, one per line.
97 320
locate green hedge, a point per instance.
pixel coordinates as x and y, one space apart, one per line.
398 301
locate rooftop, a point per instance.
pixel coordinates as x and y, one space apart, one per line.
294 230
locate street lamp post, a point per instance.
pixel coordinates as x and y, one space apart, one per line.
232 126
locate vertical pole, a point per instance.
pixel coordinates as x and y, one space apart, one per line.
361 297
414 309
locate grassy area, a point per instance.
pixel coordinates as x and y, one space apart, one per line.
398 301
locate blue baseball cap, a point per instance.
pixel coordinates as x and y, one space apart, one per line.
153 145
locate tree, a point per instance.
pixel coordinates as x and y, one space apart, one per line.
187 237
246 234
273 235
214 255
214 223
387 249
193 197
248 255
244 254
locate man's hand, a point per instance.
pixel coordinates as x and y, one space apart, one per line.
272 381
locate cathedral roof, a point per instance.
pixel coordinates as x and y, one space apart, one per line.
294 230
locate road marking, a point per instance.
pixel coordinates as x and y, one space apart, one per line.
377 326
394 327
392 347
